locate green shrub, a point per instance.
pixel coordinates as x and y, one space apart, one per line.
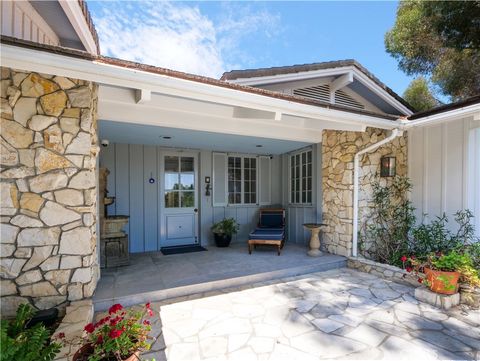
437 237
385 234
26 344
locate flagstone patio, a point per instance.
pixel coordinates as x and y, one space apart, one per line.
336 314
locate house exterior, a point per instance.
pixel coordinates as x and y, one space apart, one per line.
185 151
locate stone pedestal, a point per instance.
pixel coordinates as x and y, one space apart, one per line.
314 244
436 299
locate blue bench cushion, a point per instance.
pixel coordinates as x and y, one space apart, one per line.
271 220
267 234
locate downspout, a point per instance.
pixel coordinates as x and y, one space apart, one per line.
356 160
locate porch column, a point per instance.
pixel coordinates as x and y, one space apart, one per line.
48 190
338 150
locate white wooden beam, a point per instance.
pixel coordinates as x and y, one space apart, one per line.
142 96
278 116
339 83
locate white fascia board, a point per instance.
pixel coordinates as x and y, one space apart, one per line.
75 15
382 93
49 63
281 78
471 110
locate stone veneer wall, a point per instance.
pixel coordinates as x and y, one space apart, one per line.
48 190
338 150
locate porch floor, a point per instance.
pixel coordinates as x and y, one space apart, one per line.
154 277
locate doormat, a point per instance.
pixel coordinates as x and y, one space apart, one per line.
181 249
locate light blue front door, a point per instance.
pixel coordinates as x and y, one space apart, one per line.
179 224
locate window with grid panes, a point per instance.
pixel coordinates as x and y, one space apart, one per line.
301 177
242 180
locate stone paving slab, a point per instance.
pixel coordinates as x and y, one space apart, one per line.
338 314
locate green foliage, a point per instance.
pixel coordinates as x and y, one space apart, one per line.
227 226
439 39
384 236
418 95
473 250
436 236
451 262
19 343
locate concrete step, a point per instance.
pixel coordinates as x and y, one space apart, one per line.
102 304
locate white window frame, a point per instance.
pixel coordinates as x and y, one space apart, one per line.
290 175
242 191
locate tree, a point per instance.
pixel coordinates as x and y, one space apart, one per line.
418 95
439 39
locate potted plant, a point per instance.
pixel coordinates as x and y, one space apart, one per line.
120 336
224 230
442 272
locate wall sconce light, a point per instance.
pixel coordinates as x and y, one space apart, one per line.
387 167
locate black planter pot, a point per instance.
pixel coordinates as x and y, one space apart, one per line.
222 240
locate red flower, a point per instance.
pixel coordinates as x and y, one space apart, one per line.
89 328
146 322
115 308
403 259
150 312
420 280
99 339
147 305
61 335
115 333
409 269
114 321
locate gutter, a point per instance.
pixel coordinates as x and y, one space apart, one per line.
356 162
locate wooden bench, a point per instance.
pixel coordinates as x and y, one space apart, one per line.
270 242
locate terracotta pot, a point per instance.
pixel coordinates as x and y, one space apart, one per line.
442 282
85 351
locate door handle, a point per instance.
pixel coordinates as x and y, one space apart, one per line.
196 210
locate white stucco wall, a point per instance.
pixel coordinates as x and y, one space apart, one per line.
443 167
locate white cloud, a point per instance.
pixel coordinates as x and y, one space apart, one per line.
178 36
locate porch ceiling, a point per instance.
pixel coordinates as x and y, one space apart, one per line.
143 107
120 132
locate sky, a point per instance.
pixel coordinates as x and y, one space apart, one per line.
209 38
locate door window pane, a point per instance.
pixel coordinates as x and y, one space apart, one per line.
171 164
187 181
187 199
187 164
171 199
171 181
179 182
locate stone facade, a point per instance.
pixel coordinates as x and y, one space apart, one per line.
338 151
48 189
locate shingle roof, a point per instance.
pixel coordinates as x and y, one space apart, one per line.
261 72
91 26
447 107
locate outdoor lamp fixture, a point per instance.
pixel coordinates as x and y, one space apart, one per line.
387 167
